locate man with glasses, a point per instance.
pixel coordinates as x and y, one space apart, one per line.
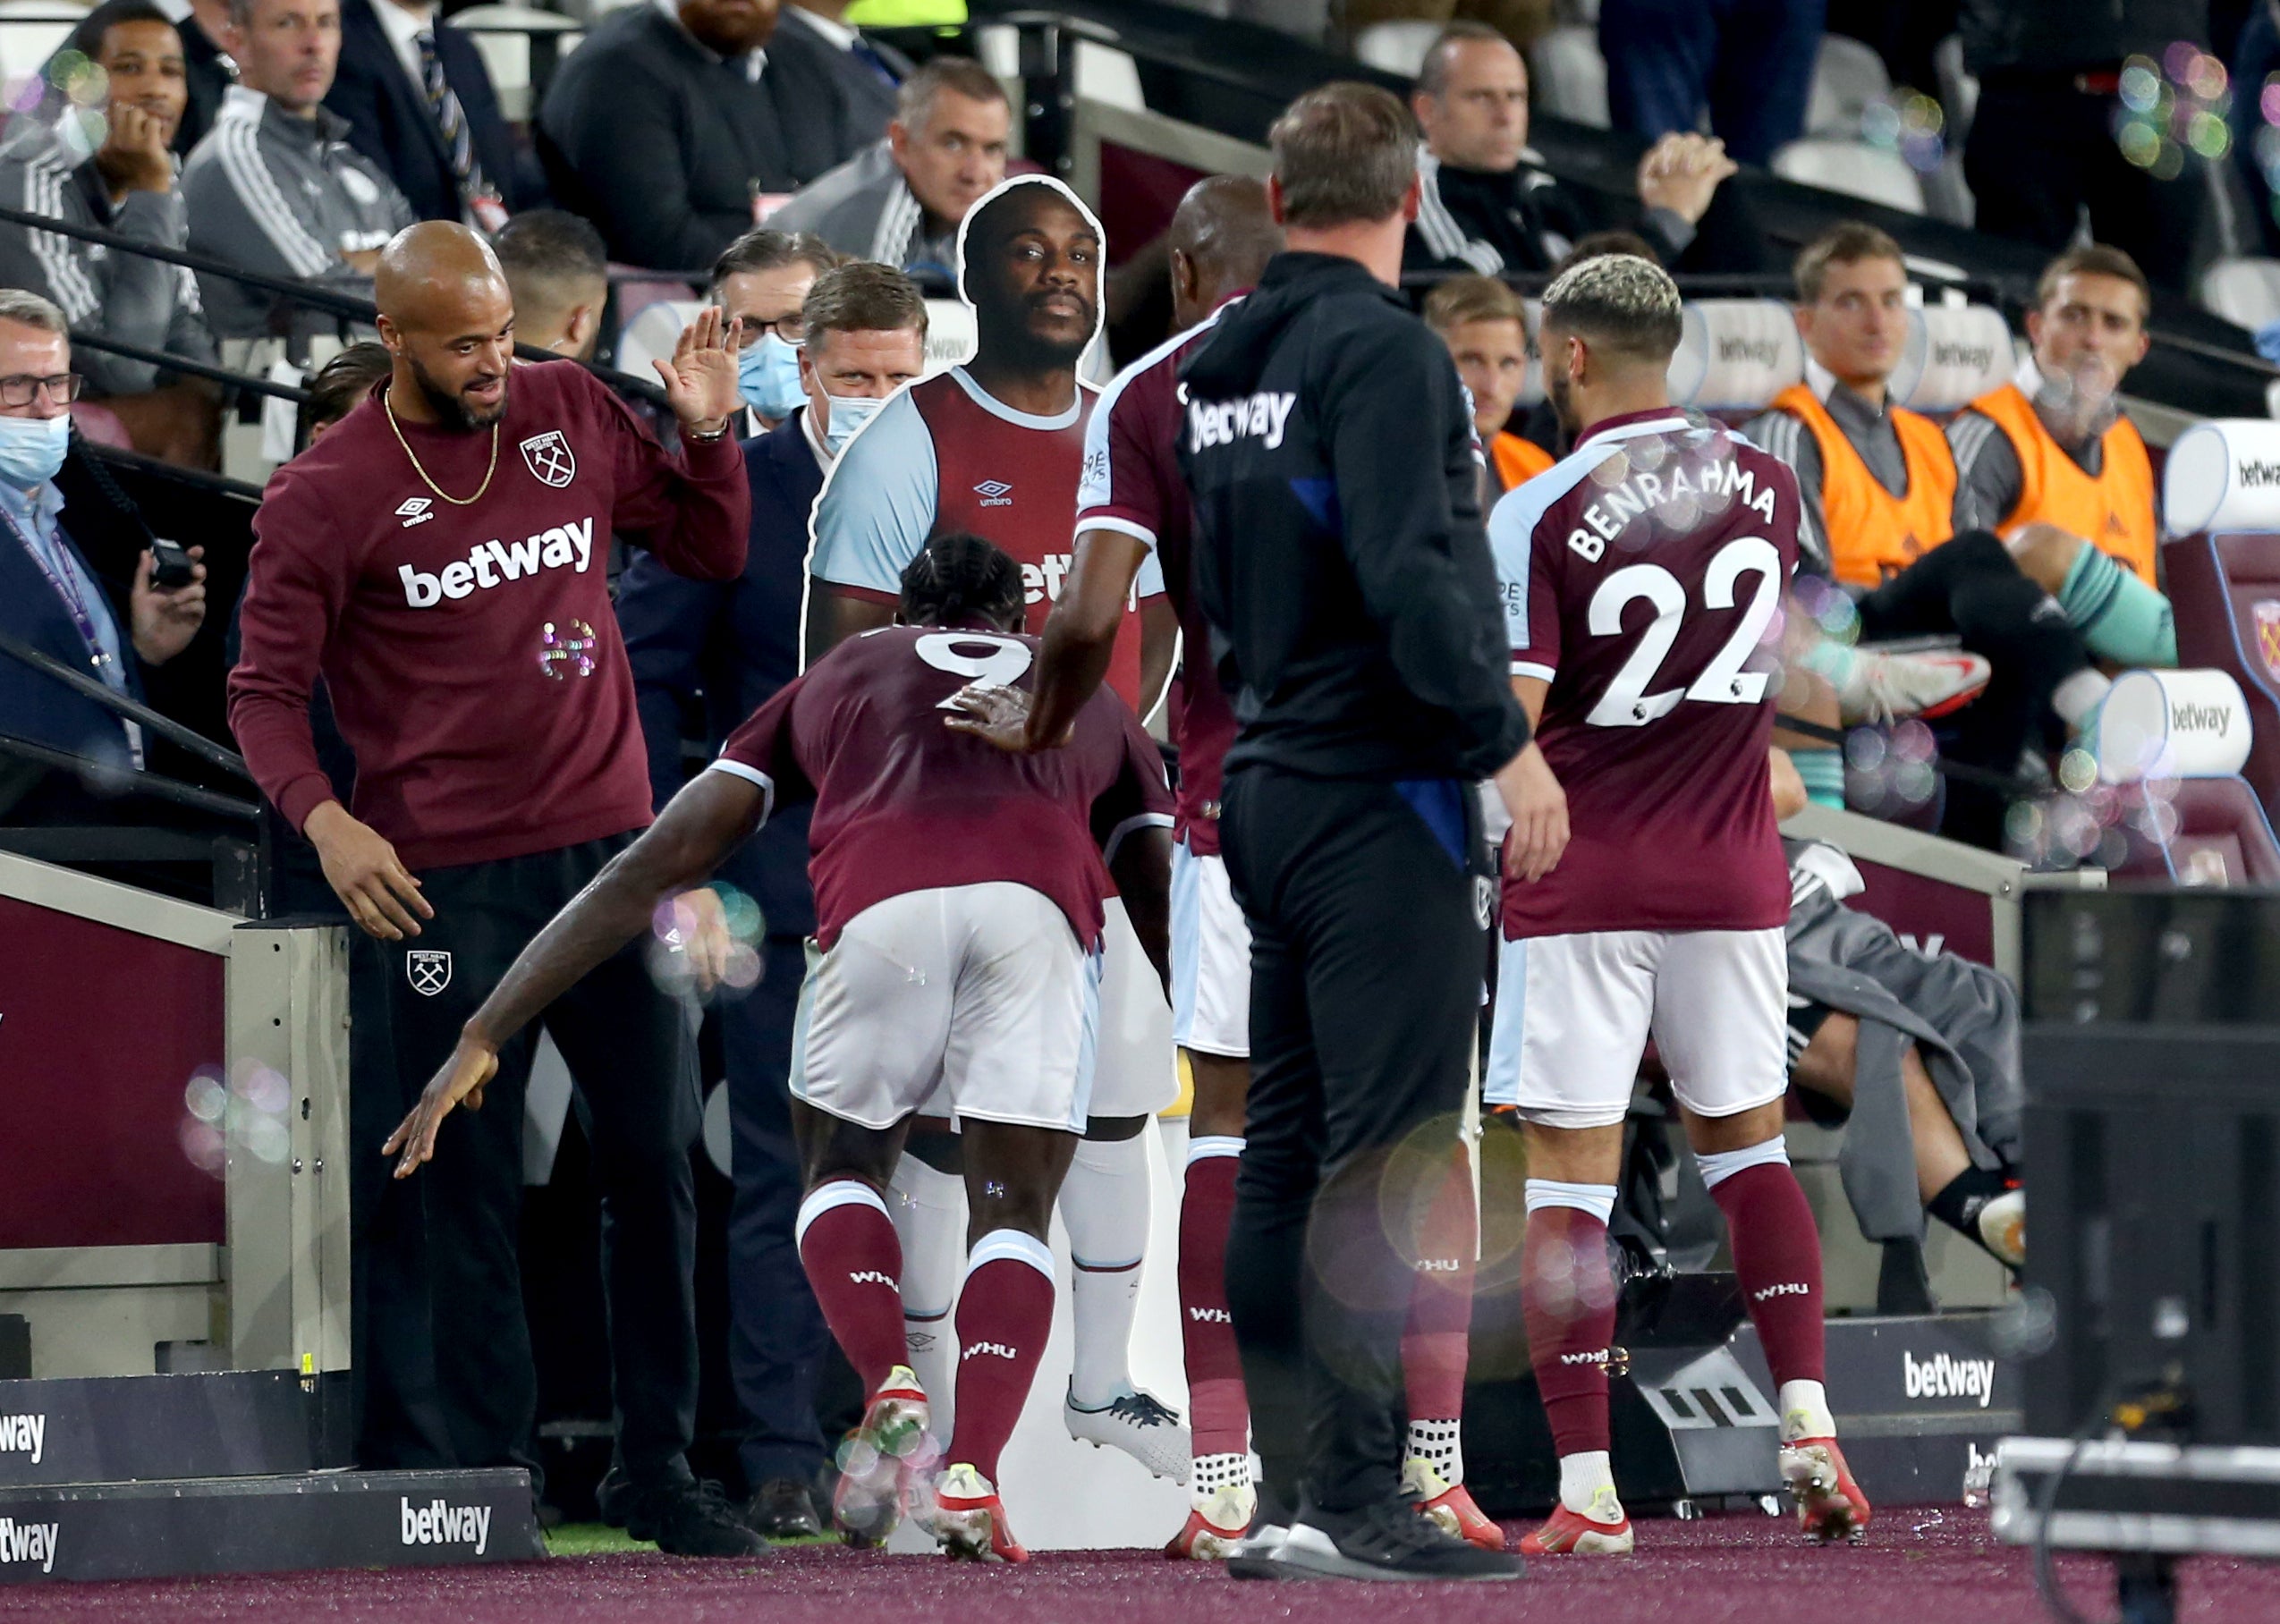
760 280
51 595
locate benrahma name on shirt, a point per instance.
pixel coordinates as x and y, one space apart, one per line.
1676 501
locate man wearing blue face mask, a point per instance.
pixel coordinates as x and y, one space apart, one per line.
721 650
762 277
50 595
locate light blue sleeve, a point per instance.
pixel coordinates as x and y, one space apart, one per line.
878 504
1512 530
1149 581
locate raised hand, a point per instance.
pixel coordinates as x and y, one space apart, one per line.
700 380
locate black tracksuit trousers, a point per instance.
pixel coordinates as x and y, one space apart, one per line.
1368 923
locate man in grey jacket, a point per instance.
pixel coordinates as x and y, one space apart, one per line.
125 186
275 187
900 202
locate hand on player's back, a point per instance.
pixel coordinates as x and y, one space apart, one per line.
992 713
1539 808
459 1082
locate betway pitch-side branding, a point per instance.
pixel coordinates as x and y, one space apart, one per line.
23 1543
439 1523
494 564
1945 1376
23 1435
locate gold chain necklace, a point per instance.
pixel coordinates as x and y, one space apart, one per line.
431 483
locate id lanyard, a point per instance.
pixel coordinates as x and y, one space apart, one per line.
67 585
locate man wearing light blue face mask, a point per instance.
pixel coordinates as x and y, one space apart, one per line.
50 595
762 277
736 643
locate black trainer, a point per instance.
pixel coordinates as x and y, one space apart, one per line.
784 1508
1389 1542
690 1520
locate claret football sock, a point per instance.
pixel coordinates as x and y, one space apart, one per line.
1567 1298
848 1246
1104 1207
1434 1340
1217 1413
1776 1253
1004 1316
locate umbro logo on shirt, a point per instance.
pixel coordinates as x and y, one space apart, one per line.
414 511
995 493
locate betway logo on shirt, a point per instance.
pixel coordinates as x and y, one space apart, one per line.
438 1523
1260 416
28 1542
491 563
1945 1376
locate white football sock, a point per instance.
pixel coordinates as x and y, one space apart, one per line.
1583 1477
1805 1411
1104 1207
929 1207
1440 1444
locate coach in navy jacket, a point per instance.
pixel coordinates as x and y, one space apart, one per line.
391 123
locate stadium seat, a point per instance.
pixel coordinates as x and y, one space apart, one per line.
1954 355
1734 355
1959 88
1568 77
31 32
2208 831
97 422
2223 566
1872 174
1848 78
503 34
2244 291
1397 47
652 334
1108 76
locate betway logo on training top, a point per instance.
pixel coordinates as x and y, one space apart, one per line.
492 563
1943 1376
28 1542
23 1435
439 1524
1260 416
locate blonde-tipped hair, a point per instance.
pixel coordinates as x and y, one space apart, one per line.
1618 303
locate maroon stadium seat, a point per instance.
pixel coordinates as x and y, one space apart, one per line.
2220 836
2225 590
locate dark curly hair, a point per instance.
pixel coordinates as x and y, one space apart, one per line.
959 577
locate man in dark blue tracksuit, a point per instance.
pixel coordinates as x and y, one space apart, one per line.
1341 563
724 648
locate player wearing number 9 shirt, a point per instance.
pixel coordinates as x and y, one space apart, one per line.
1642 581
958 903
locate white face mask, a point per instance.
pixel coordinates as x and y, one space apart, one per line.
32 449
847 413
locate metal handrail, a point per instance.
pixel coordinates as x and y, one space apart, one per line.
90 688
130 781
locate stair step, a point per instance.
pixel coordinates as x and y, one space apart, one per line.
128 1429
266 1525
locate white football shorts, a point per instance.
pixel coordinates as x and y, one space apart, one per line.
1573 1015
1134 1071
980 996
1210 959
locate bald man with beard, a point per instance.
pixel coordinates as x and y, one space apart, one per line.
439 557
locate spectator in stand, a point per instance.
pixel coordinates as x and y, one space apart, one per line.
207 71
870 70
901 201
728 647
340 386
558 273
670 125
419 104
2042 145
1747 63
762 281
1485 326
50 595
127 186
275 187
1487 204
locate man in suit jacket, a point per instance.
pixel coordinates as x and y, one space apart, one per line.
667 124
736 643
869 69
50 597
423 140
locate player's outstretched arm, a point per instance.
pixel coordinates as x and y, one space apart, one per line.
698 827
1142 870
